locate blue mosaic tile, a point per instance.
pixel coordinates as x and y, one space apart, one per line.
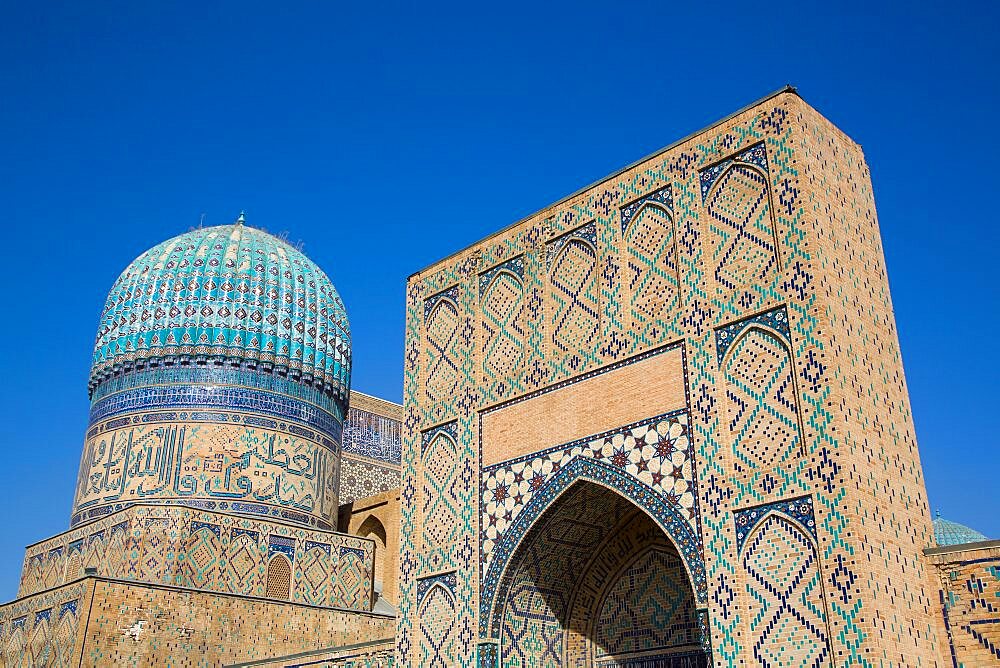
446 580
662 197
800 510
282 544
513 266
756 155
775 319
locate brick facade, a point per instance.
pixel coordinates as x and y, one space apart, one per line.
709 333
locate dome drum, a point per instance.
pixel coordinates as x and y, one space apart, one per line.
126 367
220 381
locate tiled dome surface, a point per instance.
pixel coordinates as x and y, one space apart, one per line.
947 533
230 292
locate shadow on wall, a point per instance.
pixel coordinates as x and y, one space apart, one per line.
597 580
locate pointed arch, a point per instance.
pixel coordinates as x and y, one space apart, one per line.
651 275
373 528
667 516
245 563
783 594
16 645
575 324
440 492
596 581
279 577
442 326
762 406
744 240
64 636
438 642
74 566
203 556
39 644
503 331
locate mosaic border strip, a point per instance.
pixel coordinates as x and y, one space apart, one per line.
190 397
799 509
667 347
514 265
663 197
775 319
243 375
673 480
265 511
447 580
755 155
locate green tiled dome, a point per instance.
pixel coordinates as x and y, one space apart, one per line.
948 533
230 294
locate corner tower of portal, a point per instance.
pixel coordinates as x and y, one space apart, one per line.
713 325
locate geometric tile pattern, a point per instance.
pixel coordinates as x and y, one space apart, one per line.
459 284
762 412
575 322
596 581
438 628
656 452
207 629
970 605
443 338
439 511
361 478
534 599
650 266
778 262
504 329
864 439
230 292
648 607
737 199
784 596
42 630
213 551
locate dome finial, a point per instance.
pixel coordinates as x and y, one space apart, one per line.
242 218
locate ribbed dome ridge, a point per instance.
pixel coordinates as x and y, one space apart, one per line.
948 533
232 294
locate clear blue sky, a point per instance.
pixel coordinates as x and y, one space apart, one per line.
387 136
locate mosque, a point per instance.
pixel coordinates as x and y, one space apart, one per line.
662 422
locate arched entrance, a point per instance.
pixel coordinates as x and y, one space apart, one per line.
373 528
597 582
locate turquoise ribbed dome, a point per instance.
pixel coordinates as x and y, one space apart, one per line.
948 533
230 294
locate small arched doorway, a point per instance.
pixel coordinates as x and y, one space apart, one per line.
373 528
597 582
